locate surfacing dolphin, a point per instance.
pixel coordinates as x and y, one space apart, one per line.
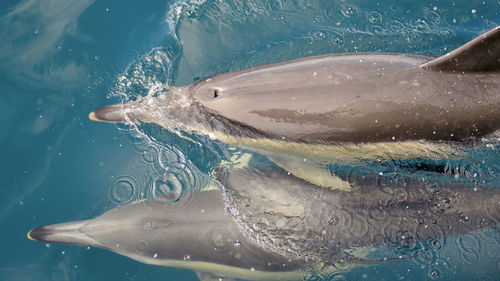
268 225
338 107
356 98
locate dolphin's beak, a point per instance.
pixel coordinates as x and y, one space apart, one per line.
69 233
110 114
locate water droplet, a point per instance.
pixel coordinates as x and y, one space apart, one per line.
463 218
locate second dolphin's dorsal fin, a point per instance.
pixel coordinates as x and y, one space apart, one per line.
480 54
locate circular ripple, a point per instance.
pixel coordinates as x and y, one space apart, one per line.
438 270
377 214
168 188
337 38
469 247
166 158
426 256
489 226
149 155
396 26
349 11
375 29
123 190
407 244
318 35
374 17
432 17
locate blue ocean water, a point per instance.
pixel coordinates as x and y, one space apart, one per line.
60 59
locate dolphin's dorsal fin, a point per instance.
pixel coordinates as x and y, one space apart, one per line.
480 54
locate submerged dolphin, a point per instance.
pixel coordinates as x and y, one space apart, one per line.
268 225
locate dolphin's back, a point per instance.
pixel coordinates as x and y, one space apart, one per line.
366 97
356 98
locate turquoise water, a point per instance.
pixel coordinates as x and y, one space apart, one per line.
60 59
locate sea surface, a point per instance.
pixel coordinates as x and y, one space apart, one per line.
60 59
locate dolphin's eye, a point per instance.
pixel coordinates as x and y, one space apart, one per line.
215 93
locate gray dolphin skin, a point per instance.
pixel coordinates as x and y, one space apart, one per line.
356 98
268 225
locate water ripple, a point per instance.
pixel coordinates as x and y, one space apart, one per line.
124 190
349 11
374 17
470 248
438 270
168 188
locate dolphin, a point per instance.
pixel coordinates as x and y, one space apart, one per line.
338 107
265 224
197 236
358 97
